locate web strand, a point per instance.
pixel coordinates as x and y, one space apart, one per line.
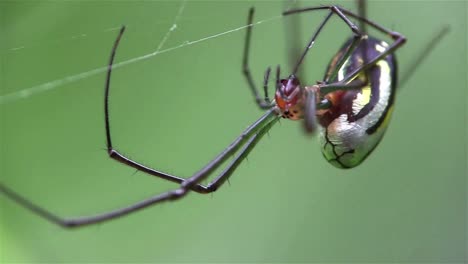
174 25
41 88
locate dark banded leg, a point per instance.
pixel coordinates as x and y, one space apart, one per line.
244 144
362 12
263 103
345 83
293 33
223 176
115 154
356 84
265 85
399 39
423 54
310 114
333 10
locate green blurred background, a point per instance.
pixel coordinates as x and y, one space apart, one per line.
177 110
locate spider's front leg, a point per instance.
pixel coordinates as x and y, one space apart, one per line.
263 103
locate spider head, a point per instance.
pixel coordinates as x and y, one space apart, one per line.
289 98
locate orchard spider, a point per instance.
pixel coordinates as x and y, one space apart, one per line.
351 107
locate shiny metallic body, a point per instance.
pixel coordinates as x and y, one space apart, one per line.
357 120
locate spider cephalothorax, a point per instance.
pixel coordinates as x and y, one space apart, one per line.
289 98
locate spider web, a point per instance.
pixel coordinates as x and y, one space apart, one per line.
27 92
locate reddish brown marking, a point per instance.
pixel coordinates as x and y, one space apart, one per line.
289 98
342 103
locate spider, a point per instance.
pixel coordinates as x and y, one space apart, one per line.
351 107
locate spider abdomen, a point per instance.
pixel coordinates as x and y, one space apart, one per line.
357 120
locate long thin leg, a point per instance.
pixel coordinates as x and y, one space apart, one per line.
263 103
327 88
114 154
333 10
362 12
356 84
353 45
246 140
310 116
223 176
391 49
423 54
265 84
399 40
371 23
349 50
331 74
293 35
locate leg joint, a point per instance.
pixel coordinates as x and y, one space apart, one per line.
177 194
112 152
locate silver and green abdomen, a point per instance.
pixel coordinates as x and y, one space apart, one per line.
357 120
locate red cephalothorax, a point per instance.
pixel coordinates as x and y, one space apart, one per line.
289 98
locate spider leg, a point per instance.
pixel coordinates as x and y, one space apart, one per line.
249 145
113 153
263 103
333 10
356 84
310 119
423 54
399 39
265 84
293 35
344 84
310 116
116 155
244 144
